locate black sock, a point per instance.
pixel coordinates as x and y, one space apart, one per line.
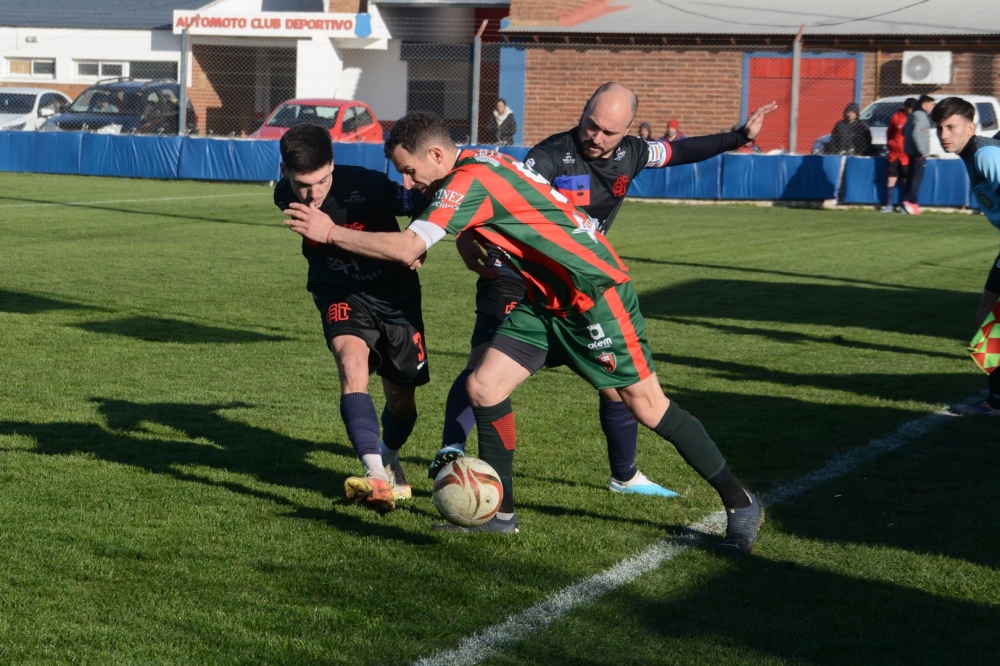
993 380
497 441
458 416
730 490
622 432
689 437
361 422
395 431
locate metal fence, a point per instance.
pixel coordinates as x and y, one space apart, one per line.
701 86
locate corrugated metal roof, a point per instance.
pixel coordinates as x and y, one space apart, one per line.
444 3
771 17
93 14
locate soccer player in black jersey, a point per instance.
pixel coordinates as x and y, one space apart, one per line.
370 308
592 165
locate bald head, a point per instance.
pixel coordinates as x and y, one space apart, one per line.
606 119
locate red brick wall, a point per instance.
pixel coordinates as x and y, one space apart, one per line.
700 89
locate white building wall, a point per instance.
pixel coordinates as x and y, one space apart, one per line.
380 79
68 47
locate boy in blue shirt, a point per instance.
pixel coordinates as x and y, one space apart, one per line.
954 119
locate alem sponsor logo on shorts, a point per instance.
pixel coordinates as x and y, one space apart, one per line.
600 340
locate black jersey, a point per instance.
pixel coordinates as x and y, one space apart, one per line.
599 186
366 200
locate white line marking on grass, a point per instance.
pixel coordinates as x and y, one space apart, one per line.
34 204
493 640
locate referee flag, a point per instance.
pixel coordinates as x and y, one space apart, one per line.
985 345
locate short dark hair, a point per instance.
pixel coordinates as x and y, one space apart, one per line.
924 99
952 106
910 103
306 148
417 131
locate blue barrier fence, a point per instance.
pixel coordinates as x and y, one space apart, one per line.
733 176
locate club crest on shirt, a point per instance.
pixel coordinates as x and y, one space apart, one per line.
619 154
569 159
608 360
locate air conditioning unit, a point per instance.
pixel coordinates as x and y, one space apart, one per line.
926 66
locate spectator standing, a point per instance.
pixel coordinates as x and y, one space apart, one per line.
506 125
895 141
917 145
673 132
850 135
645 132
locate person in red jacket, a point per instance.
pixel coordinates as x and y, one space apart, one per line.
898 159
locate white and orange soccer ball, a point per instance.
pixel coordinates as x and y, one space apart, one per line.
467 492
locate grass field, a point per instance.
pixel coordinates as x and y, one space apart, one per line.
172 456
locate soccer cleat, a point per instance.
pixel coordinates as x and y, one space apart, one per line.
742 526
888 208
911 208
639 485
982 409
444 456
401 490
494 524
373 493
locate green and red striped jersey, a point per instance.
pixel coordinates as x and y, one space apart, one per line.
566 262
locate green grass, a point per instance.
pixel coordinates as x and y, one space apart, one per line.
172 456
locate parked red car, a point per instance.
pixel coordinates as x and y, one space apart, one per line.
347 120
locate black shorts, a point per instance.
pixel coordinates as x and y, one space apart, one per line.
895 169
398 352
495 298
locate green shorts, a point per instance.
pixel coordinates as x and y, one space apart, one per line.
606 345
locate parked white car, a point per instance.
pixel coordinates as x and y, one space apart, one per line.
27 108
876 115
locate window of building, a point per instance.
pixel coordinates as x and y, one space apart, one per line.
90 69
138 69
142 69
35 68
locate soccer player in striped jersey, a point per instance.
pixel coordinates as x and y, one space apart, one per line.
593 166
579 304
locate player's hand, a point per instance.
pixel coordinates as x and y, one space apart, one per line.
309 222
474 257
755 121
418 262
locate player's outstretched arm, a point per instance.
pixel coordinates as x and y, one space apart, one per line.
312 223
699 148
755 121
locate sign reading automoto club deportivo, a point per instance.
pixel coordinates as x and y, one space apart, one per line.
279 24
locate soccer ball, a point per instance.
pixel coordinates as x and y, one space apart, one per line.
467 492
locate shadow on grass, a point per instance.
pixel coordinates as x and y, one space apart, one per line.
825 591
213 441
912 311
20 302
153 329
